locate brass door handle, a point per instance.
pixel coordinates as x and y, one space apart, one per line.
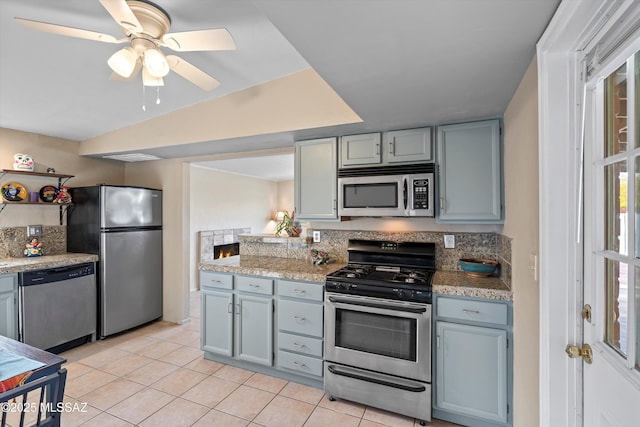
585 352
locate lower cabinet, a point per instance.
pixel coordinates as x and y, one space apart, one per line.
242 323
8 305
237 316
473 358
300 327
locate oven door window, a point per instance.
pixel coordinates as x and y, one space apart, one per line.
380 334
378 195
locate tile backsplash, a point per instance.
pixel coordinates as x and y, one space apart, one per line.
14 239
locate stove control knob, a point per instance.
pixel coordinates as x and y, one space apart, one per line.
400 293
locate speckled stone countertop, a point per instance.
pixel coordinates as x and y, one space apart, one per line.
444 282
283 268
460 283
16 265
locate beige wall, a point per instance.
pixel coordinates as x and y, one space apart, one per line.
285 195
221 200
57 153
521 224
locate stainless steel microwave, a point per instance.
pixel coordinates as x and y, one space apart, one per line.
387 191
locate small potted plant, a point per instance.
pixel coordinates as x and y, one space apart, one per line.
289 224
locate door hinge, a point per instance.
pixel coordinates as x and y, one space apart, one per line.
586 313
584 352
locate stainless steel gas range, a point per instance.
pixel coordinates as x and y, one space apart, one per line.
378 327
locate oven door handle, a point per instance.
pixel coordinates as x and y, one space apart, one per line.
380 305
336 371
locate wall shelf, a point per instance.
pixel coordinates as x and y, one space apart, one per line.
62 179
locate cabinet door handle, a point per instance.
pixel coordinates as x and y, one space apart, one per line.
466 310
441 203
391 147
377 148
230 309
237 308
299 318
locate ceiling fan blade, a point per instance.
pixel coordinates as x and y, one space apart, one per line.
123 15
118 78
189 41
69 31
192 73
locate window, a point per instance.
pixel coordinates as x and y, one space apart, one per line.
621 240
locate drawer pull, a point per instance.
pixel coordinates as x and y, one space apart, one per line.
215 281
300 365
300 318
466 310
251 285
299 345
299 291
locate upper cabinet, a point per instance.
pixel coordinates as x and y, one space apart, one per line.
411 145
399 146
316 179
469 158
360 150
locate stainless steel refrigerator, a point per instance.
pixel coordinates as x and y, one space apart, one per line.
123 226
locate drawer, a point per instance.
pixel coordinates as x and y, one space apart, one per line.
300 363
300 344
301 290
257 285
7 282
300 317
210 279
476 311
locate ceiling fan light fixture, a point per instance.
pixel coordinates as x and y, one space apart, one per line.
156 63
123 61
150 80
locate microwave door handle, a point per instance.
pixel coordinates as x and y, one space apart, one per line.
405 194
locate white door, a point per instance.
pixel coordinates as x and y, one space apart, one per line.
585 256
611 383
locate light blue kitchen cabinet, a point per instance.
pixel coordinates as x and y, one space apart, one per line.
469 158
254 320
217 321
473 361
360 150
237 316
386 149
300 327
9 305
316 179
408 146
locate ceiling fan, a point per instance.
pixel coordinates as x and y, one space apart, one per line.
146 27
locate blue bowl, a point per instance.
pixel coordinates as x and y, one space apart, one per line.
478 266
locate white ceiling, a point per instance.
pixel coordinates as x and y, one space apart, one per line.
396 63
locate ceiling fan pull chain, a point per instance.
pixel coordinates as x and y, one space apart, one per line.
144 107
157 95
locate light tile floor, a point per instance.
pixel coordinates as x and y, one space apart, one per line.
156 376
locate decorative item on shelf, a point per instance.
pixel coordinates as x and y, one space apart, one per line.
48 193
288 224
23 162
62 196
14 192
51 170
478 267
33 248
320 257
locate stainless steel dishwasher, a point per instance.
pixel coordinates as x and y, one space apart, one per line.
58 307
